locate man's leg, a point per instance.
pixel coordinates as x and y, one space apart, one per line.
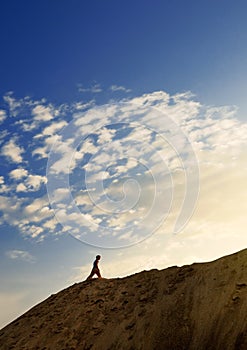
98 273
91 275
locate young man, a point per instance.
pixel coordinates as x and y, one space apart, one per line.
95 269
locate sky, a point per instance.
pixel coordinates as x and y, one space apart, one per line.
122 133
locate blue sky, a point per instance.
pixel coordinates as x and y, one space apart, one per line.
173 76
135 44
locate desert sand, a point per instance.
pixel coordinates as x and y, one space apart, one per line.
199 306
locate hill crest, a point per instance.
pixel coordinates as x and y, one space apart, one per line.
198 306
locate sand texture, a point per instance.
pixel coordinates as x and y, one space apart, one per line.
195 307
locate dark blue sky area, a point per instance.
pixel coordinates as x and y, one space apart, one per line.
48 47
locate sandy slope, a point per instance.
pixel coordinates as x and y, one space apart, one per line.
201 306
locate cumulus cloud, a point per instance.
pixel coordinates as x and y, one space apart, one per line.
34 182
95 88
80 106
32 231
47 142
27 214
3 115
212 133
54 127
42 113
20 255
41 152
14 104
103 147
3 187
30 182
13 151
18 173
11 207
115 88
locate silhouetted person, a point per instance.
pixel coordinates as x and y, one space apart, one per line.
95 269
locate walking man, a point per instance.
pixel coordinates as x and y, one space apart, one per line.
95 269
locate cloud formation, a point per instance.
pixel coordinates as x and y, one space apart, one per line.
115 88
2 116
22 255
95 88
119 158
13 151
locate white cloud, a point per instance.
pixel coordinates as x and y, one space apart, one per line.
101 159
51 224
14 104
54 127
86 147
21 188
27 126
8 203
160 99
27 214
48 142
20 255
115 88
43 113
33 231
67 160
36 207
42 152
217 136
29 182
18 174
211 134
105 135
96 88
3 115
3 187
34 182
79 106
12 151
89 119
3 135
31 114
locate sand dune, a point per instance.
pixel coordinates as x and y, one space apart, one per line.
200 306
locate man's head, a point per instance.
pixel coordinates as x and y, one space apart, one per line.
98 257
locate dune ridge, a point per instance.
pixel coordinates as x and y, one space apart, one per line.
193 307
